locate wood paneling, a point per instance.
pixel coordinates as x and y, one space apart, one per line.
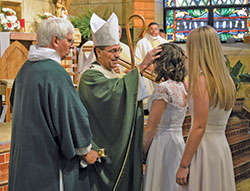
12 60
147 9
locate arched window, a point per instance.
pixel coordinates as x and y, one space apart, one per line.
230 18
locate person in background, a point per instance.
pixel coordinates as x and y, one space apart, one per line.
51 136
162 33
124 55
151 40
207 161
165 121
85 58
115 110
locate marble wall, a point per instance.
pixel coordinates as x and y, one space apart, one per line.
159 12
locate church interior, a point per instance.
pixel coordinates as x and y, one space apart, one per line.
15 43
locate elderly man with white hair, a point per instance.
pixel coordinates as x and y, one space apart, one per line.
51 136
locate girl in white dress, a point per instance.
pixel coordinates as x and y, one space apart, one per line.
207 156
165 121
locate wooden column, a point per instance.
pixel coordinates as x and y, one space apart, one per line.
147 9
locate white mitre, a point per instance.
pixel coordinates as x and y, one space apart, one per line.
104 33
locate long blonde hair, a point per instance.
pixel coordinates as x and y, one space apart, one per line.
205 56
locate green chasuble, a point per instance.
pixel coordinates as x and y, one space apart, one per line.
116 121
49 122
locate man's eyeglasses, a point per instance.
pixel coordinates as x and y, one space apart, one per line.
114 51
70 40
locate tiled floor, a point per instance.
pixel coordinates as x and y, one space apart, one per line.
243 185
5 132
5 138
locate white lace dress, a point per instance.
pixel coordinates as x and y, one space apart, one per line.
168 144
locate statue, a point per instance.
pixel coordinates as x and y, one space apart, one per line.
61 9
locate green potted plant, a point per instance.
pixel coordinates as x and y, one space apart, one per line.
82 22
237 73
239 76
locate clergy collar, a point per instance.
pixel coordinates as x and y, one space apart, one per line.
152 38
38 53
97 63
100 68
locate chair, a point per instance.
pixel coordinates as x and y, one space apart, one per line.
70 65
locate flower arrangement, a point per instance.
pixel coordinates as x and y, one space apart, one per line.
8 20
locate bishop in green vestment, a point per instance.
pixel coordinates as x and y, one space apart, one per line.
115 111
116 120
50 127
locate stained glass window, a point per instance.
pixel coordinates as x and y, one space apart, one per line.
180 22
185 3
230 18
231 22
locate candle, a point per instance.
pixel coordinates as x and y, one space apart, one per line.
22 25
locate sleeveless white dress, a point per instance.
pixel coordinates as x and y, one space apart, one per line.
168 144
211 168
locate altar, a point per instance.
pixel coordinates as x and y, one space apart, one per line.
6 38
